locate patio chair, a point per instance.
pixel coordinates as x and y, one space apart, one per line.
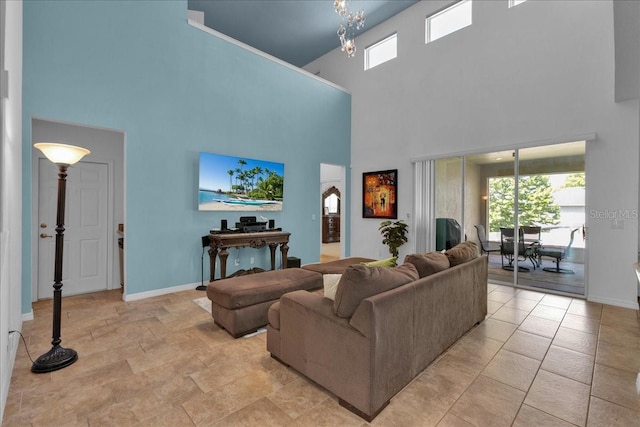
485 247
532 237
559 254
507 249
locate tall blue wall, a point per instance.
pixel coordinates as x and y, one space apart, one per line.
175 90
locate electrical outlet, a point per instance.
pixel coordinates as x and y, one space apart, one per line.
237 262
251 260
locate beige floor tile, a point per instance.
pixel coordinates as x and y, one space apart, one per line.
494 329
328 413
580 323
488 402
607 414
499 296
262 413
477 351
559 396
211 407
568 363
507 289
585 309
556 301
174 417
451 420
539 326
547 312
420 403
527 344
298 396
493 306
619 357
532 295
620 336
451 375
532 417
616 386
149 363
512 369
576 340
511 315
521 303
619 316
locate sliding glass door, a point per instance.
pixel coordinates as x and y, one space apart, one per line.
524 207
551 196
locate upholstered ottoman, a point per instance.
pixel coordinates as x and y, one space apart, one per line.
240 304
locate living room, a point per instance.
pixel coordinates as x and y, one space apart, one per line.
174 90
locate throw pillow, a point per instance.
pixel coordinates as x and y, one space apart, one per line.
330 282
461 253
388 262
428 263
359 282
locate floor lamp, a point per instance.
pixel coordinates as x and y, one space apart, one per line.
64 156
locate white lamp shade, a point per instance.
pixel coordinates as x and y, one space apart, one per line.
62 154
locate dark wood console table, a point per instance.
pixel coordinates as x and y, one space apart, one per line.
220 242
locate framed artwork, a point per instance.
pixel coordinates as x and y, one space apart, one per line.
229 183
380 194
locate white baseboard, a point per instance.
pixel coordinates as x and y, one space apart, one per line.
158 292
612 301
27 316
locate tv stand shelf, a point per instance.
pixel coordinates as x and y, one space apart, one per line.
220 242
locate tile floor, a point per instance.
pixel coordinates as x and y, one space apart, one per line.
537 360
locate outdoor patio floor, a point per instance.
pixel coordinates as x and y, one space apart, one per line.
538 278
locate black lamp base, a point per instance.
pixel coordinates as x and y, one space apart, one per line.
56 358
201 288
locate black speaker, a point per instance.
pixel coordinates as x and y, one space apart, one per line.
293 262
272 223
223 224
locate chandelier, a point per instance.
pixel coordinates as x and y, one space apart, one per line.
354 21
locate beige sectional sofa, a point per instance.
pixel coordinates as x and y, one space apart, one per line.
384 326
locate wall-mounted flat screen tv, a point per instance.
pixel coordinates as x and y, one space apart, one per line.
229 183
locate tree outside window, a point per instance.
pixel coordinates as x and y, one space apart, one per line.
537 206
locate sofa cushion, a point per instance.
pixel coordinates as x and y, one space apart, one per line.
330 282
388 262
428 263
335 267
359 282
462 252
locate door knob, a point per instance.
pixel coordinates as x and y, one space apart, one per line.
43 225
44 235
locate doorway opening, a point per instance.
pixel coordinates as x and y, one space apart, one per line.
331 212
94 211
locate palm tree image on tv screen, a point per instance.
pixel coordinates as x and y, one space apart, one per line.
229 183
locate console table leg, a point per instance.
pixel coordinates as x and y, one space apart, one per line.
272 248
223 262
213 252
284 248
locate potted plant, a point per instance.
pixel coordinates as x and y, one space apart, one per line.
394 235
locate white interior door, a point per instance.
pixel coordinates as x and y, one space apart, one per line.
84 266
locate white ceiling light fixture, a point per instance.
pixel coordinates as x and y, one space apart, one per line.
354 22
